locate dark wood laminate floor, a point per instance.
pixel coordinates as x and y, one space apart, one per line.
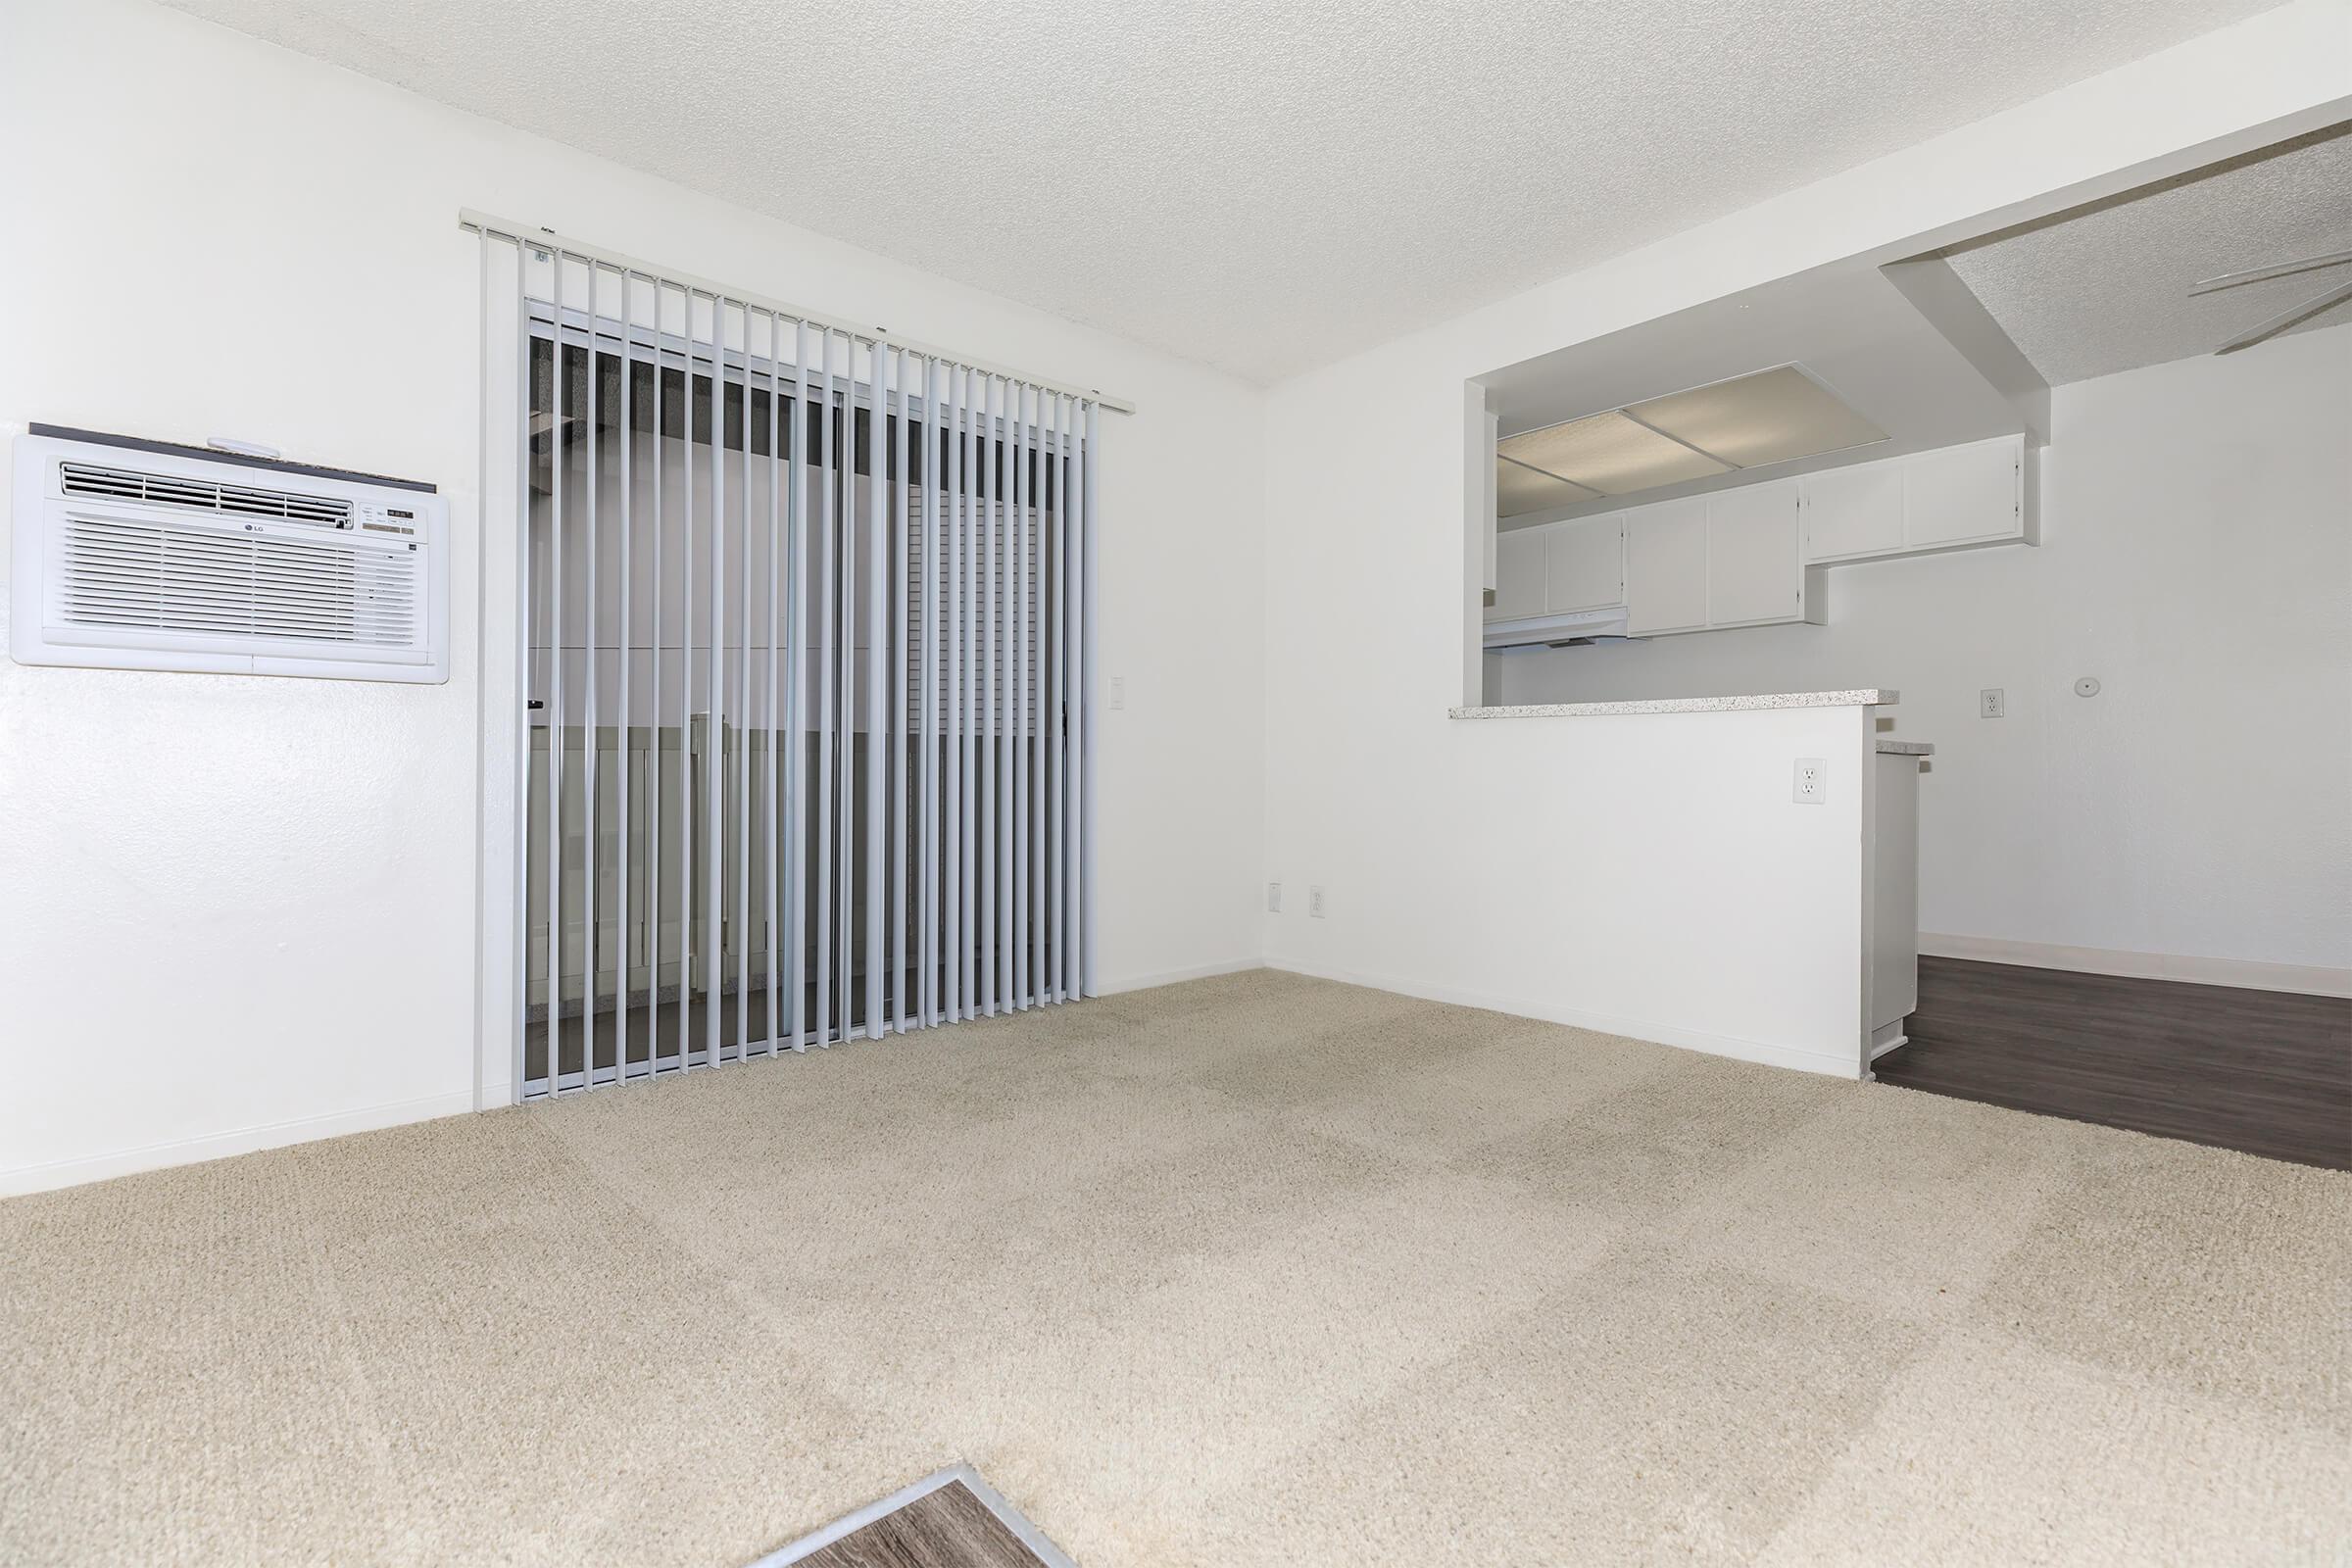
2262 1072
949 1527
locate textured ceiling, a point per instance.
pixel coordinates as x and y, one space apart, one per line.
2105 289
1263 184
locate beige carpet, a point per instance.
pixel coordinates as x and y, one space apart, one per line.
1258 1270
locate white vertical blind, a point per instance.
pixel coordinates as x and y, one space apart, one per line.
796 639
878 531
804 629
952 680
927 727
828 588
902 632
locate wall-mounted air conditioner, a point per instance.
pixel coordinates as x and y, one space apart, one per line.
132 555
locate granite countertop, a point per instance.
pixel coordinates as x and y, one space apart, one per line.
1887 748
1867 697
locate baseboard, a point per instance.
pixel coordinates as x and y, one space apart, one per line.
1834 1064
1169 977
219 1146
2245 974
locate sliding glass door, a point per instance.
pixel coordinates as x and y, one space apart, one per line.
804 630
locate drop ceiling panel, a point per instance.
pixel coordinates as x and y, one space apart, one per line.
1611 454
1774 416
1520 489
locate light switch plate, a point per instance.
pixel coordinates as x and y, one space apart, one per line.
1273 898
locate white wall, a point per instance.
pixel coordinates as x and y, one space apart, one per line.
238 911
1568 868
2197 559
1521 861
1641 874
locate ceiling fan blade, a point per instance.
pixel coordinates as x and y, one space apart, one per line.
2286 319
2258 274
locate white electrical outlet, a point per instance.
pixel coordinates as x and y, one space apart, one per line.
1991 702
1812 784
1118 691
1273 898
1315 902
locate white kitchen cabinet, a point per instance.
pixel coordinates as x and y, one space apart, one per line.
1715 562
1756 575
1583 565
1666 567
1558 568
1948 499
1964 495
1729 558
1518 574
1853 513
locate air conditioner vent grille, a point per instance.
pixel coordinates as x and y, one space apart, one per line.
133 555
93 481
164 577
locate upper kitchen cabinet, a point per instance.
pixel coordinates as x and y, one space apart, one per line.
1715 562
1754 573
1852 514
1518 574
1666 567
1558 568
1752 554
1948 499
1583 565
1967 495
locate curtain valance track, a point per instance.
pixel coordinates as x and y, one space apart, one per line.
492 227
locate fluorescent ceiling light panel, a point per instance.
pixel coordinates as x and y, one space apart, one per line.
1611 454
1520 489
1770 416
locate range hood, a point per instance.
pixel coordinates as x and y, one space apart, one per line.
1553 631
